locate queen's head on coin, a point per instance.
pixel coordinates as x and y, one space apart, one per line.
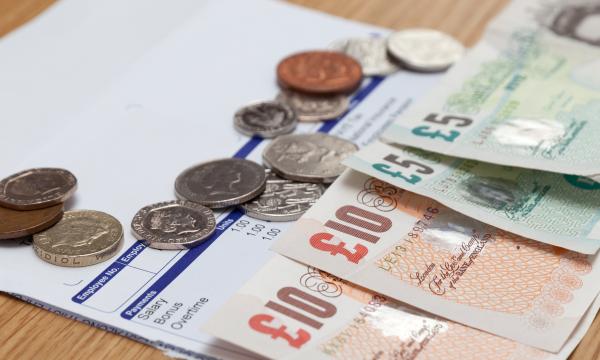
173 221
79 234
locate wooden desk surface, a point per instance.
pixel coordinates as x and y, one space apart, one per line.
28 332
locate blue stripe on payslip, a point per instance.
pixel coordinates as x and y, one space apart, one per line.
109 273
179 267
101 280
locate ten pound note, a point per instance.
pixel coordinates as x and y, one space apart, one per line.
415 250
561 210
289 310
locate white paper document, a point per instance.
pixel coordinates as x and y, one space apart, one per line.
131 128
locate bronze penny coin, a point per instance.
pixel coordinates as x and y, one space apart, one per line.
16 223
319 72
37 188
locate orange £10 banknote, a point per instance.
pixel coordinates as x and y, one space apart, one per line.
413 249
294 311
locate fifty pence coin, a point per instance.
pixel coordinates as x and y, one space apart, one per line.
315 158
425 49
283 200
314 107
37 188
15 223
319 72
371 53
221 183
266 119
173 225
81 238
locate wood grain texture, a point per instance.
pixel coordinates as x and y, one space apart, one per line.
27 332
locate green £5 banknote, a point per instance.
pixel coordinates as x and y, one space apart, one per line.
557 209
524 98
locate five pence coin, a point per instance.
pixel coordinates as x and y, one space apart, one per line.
315 107
266 119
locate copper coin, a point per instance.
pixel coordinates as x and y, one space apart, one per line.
16 223
37 188
320 72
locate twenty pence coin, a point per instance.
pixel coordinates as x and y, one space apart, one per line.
16 223
81 238
315 158
37 188
221 183
173 225
319 72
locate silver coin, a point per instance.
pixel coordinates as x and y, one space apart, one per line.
266 119
37 188
315 158
314 107
221 183
425 49
283 200
173 225
371 53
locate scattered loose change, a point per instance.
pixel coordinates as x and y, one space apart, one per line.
314 87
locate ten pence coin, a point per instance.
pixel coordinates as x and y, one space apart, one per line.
315 158
221 183
173 225
266 119
81 238
37 188
371 53
319 72
315 107
15 223
425 49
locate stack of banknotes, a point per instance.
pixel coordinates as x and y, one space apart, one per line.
469 231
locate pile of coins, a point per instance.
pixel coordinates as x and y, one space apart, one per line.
314 87
300 166
315 84
31 204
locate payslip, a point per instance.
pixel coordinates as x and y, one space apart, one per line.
129 138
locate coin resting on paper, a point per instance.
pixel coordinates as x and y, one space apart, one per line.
73 238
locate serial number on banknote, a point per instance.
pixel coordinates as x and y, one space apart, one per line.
393 257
